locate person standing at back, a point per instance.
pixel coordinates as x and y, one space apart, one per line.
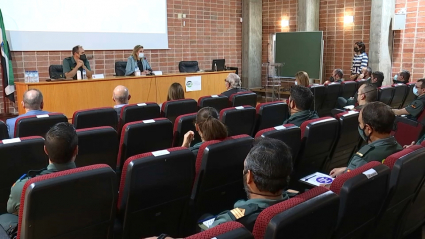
299 104
360 60
137 60
233 85
77 62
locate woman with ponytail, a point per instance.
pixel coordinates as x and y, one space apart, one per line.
209 128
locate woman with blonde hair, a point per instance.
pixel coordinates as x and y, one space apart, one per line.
137 60
302 79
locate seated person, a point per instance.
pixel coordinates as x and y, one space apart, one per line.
300 102
367 93
377 78
61 145
375 124
265 176
302 78
78 61
414 109
209 128
120 96
402 77
366 73
233 85
33 105
337 76
137 59
175 92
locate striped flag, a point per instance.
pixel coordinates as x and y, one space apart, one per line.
6 64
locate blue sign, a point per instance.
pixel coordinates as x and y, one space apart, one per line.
324 180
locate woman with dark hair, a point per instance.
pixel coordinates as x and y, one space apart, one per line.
175 92
360 60
209 128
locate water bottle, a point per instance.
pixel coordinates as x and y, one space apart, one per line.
31 76
137 71
78 75
84 74
215 66
27 76
37 77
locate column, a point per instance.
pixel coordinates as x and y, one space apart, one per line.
308 15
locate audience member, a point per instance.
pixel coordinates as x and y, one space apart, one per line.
33 105
365 74
209 128
302 79
233 85
365 94
137 59
61 145
300 102
360 59
414 109
78 61
375 124
377 78
175 92
337 76
402 77
120 96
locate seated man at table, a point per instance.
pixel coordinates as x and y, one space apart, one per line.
414 109
233 85
33 105
299 104
78 61
120 96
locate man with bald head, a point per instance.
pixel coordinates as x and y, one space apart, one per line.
120 96
33 105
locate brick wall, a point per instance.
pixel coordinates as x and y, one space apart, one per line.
213 30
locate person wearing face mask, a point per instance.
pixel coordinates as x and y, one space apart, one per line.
366 74
402 77
137 60
366 93
375 124
337 76
414 109
360 60
78 61
299 103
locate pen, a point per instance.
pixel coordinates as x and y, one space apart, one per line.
310 177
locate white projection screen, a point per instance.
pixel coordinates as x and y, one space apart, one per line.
55 25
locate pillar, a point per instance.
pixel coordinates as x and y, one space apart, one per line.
308 15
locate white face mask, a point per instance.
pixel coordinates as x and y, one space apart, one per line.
141 55
296 83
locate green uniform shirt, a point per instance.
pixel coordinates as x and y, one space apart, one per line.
416 107
69 64
375 151
299 117
195 148
15 193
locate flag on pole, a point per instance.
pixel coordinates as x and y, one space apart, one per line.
6 63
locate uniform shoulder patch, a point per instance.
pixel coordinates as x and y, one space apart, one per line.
238 212
364 150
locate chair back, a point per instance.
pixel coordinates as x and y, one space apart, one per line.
97 117
349 88
270 114
188 66
56 72
385 94
120 68
137 112
333 91
174 108
218 102
319 92
184 124
3 131
243 98
410 97
239 120
400 94
37 125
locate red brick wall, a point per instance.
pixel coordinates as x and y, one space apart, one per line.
213 30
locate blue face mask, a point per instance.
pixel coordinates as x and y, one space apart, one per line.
415 91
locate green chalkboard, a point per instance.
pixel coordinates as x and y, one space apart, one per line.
299 51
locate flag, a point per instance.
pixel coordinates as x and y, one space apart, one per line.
6 64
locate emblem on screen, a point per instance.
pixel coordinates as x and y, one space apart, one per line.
324 180
189 84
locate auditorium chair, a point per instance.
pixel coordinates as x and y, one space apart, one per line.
347 140
97 145
228 230
219 165
407 175
37 125
400 93
137 112
361 192
360 82
407 130
188 66
4 133
75 203
312 214
410 97
270 114
243 98
218 102
239 120
288 133
385 94
56 72
120 68
319 92
155 191
144 136
17 157
173 108
96 117
331 96
349 88
182 125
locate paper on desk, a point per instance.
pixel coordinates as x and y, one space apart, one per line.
317 179
193 83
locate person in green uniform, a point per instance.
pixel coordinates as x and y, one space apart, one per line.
78 61
414 109
299 103
375 124
209 128
61 145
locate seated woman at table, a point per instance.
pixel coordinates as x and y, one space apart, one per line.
137 60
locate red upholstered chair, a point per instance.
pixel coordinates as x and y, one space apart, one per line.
228 230
333 90
270 114
218 102
182 125
155 191
243 98
407 175
97 145
75 203
319 92
357 212
137 112
37 125
218 174
287 133
410 97
298 217
239 120
386 94
400 94
17 157
407 130
173 108
349 88
3 131
89 118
